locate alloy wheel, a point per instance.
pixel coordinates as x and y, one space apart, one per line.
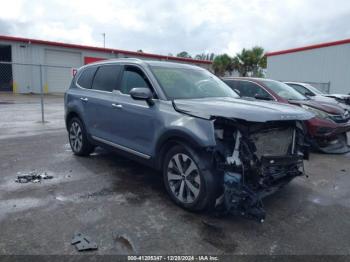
183 178
75 137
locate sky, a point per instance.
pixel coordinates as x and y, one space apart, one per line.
172 26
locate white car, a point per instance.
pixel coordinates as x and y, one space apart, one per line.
318 95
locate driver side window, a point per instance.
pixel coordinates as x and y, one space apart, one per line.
133 77
251 90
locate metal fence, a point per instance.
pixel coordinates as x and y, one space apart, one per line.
38 79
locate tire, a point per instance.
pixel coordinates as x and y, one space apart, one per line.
78 140
199 186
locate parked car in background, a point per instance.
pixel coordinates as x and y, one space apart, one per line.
213 148
327 130
316 94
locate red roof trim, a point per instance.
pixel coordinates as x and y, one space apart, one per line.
101 49
299 49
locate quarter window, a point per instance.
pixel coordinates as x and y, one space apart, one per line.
85 78
106 78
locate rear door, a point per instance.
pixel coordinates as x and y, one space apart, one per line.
99 102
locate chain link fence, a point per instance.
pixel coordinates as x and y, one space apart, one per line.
40 80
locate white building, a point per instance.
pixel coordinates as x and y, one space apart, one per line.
22 72
318 64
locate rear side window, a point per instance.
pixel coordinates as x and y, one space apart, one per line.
85 78
106 78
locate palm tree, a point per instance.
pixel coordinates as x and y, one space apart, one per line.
221 64
250 61
258 60
244 62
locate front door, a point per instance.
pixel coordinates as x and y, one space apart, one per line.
134 121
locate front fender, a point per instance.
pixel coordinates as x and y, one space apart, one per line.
194 132
199 131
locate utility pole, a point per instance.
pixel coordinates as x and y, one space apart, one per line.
104 40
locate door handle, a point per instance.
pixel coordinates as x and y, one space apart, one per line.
119 106
84 99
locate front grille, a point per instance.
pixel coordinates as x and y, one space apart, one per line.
273 142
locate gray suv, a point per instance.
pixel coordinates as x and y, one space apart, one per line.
213 148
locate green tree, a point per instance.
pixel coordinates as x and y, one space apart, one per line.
184 54
221 64
250 62
243 62
211 57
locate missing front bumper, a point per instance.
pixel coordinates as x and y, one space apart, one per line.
243 199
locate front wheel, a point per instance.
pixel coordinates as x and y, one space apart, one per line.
188 185
78 140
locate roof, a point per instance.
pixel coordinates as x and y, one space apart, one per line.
148 62
100 49
244 78
309 47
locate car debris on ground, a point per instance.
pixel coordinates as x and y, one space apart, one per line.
83 242
32 176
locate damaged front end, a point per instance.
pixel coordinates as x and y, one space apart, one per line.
256 159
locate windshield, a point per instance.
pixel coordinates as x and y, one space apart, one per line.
283 90
184 83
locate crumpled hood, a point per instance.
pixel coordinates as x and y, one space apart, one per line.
238 108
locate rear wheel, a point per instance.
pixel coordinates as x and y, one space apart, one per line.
78 140
187 184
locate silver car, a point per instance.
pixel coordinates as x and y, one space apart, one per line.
213 148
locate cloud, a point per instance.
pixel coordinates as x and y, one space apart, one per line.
5 27
166 26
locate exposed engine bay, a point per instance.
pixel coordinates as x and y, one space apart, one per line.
256 159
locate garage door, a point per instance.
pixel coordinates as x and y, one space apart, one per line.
59 78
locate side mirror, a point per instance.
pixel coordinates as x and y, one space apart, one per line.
309 94
142 93
261 97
